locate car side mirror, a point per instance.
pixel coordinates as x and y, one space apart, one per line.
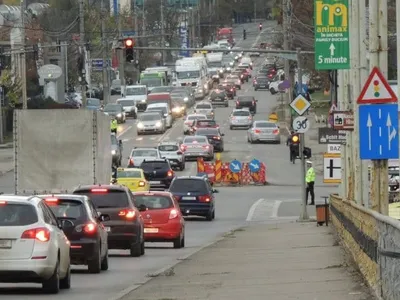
104 218
256 100
215 191
142 207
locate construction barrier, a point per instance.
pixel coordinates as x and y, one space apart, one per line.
220 173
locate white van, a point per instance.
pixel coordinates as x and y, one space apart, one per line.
165 109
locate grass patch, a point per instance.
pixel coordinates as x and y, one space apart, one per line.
320 96
320 107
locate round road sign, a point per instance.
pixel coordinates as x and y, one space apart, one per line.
301 124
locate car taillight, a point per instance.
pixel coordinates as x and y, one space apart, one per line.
204 198
237 102
170 173
90 228
183 148
142 183
255 81
216 137
173 214
131 163
231 90
206 147
40 234
3 203
128 214
249 118
276 131
177 198
99 190
254 102
257 130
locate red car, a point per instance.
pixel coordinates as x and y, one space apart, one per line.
163 220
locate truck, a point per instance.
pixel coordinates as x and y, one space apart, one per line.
56 150
191 73
214 61
137 93
153 79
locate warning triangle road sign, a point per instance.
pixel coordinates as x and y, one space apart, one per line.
376 90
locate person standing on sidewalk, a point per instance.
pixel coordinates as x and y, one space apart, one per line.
310 180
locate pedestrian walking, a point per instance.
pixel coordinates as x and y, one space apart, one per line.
310 181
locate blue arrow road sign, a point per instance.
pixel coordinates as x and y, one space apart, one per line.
235 166
254 166
379 138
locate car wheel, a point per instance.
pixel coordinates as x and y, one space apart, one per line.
213 214
255 89
178 242
272 90
209 216
104 262
231 127
139 133
52 285
142 249
182 166
65 283
136 249
183 241
94 265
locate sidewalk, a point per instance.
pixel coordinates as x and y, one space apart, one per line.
6 160
262 262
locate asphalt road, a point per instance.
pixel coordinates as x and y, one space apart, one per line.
234 206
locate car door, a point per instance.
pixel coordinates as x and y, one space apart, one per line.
51 220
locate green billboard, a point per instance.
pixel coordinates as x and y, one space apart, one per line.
331 30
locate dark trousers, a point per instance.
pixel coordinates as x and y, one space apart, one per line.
310 190
292 155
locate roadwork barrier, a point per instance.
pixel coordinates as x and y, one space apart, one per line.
223 173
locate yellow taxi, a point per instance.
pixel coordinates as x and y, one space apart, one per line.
133 179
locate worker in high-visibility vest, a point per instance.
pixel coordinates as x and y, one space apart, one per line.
310 180
273 117
114 125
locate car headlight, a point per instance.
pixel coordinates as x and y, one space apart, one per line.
221 71
158 124
140 125
251 64
231 63
119 115
113 152
143 101
236 57
177 109
186 99
200 90
228 69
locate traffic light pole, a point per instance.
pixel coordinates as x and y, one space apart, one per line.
121 58
106 83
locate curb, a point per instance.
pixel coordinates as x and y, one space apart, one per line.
179 260
7 146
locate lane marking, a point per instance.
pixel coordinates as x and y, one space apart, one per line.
275 209
124 131
139 139
253 209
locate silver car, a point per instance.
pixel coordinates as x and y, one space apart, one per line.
240 118
205 108
150 122
139 154
264 131
197 146
172 152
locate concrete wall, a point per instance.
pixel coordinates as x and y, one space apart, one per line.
373 241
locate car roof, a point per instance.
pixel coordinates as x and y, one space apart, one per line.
20 199
145 148
156 160
242 109
202 178
150 193
194 136
129 169
114 187
81 198
167 143
262 121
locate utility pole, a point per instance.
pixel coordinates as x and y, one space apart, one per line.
82 49
199 39
163 54
255 10
303 213
23 58
120 55
106 86
287 111
144 19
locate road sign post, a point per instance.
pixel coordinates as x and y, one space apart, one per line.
332 50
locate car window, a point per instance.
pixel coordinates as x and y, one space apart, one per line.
154 202
206 106
145 152
13 214
49 217
126 102
207 132
194 139
150 117
241 113
112 107
72 209
93 210
265 125
187 185
129 174
105 198
154 165
206 123
168 148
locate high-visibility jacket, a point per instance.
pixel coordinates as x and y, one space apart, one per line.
114 125
310 176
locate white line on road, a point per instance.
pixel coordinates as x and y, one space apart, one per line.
253 209
139 139
275 209
124 131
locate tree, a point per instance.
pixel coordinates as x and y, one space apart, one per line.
12 87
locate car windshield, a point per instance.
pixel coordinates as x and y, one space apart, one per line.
162 109
188 74
241 113
129 174
203 106
93 102
195 139
149 117
112 108
154 202
70 209
233 77
106 198
13 214
206 123
145 152
213 72
168 148
183 185
196 117
214 64
161 89
151 82
207 132
125 103
178 96
154 165
265 125
218 93
135 91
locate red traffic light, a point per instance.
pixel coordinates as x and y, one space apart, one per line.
128 43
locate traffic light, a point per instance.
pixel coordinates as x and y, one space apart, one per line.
295 139
129 43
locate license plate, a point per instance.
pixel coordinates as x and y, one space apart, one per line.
155 182
188 198
108 229
5 244
150 230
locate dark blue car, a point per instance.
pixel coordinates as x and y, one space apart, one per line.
195 196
